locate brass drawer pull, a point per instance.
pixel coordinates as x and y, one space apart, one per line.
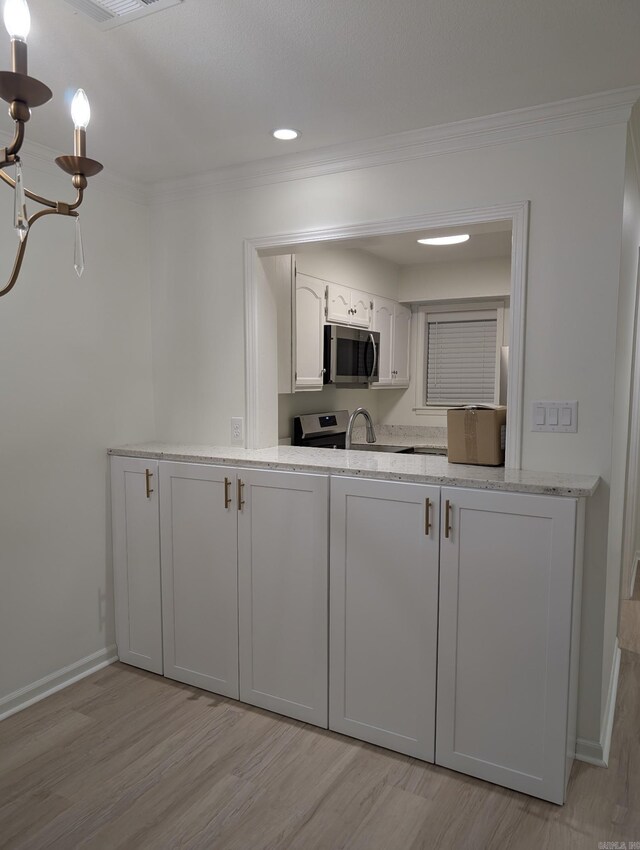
148 475
227 492
447 519
240 493
427 517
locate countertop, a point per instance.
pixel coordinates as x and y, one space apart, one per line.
424 469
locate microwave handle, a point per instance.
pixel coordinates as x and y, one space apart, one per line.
375 355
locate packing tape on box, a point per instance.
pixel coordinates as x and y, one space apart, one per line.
471 436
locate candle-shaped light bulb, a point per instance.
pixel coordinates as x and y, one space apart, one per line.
17 19
80 110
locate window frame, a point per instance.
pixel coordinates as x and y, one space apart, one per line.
452 312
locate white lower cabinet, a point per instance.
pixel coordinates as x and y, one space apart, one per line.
476 591
384 613
136 561
198 522
506 615
282 566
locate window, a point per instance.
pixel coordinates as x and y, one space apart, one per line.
460 354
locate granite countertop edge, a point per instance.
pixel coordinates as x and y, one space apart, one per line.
424 469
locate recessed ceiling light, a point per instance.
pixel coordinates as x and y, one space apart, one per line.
285 134
445 240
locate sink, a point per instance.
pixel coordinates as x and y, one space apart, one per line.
430 450
378 447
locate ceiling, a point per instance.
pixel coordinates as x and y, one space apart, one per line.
487 241
199 85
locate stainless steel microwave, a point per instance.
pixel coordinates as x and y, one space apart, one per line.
350 356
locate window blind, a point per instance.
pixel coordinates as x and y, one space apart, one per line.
461 361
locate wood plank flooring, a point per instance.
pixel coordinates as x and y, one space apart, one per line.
126 759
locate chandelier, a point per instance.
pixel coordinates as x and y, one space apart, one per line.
22 93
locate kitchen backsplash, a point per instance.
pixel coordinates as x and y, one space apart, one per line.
405 435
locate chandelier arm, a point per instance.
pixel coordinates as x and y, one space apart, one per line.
37 198
78 200
23 246
11 152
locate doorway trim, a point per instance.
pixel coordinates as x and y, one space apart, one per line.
518 213
629 554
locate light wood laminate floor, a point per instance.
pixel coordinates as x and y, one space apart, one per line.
126 759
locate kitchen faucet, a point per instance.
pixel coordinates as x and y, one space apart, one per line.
371 434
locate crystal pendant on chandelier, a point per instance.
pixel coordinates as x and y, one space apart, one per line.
20 218
78 254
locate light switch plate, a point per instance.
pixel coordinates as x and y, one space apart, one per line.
560 417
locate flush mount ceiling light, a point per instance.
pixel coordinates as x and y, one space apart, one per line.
445 240
286 134
23 93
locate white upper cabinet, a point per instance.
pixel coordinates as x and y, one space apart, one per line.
346 306
393 322
401 337
383 323
309 333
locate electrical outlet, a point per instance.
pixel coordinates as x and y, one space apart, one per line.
237 431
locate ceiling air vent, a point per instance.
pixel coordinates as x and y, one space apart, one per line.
112 13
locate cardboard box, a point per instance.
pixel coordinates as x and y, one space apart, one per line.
476 434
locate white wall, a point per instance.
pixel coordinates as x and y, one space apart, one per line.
350 267
75 379
574 181
441 282
487 278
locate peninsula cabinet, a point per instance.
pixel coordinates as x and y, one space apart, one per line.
136 561
198 539
283 589
384 613
439 622
507 665
244 580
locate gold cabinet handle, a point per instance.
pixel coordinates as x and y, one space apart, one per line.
427 517
148 475
447 518
227 492
240 493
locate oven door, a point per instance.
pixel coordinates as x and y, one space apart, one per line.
350 356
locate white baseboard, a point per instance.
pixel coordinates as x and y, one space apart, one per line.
597 752
30 694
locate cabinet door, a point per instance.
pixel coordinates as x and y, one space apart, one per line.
506 578
384 613
310 300
198 518
401 336
383 323
283 542
360 309
136 561
339 304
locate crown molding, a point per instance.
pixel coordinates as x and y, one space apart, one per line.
40 158
564 116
